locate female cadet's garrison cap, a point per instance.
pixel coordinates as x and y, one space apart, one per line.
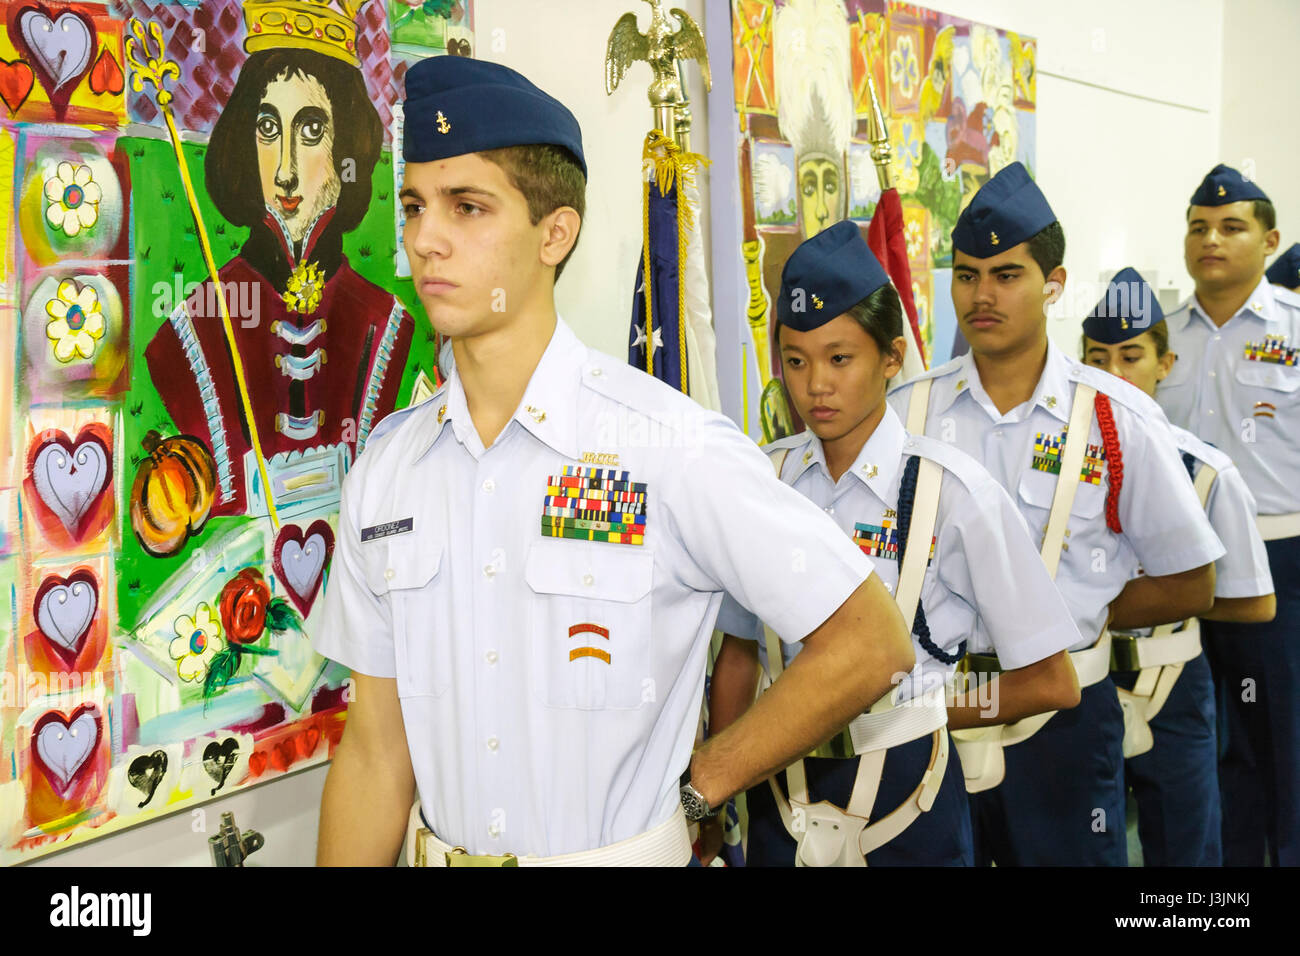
455 105
1285 270
1223 185
826 276
1127 309
1007 210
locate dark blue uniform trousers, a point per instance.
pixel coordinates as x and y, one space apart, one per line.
1257 679
939 837
1176 782
1062 800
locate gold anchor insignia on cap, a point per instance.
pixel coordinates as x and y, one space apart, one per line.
1123 322
993 238
441 412
443 126
817 303
1222 191
538 414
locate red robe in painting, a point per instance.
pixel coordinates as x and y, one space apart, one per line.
320 379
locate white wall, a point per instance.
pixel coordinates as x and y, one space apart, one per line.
1261 78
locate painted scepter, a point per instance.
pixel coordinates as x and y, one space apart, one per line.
155 70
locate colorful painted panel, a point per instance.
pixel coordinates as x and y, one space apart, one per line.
202 320
959 101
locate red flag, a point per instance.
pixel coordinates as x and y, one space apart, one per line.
885 236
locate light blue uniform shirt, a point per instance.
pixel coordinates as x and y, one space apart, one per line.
1243 570
1231 387
1164 528
986 582
550 687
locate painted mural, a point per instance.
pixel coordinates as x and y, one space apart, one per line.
959 100
202 318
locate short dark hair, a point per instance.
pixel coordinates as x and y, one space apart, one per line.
880 314
230 167
1265 213
1048 248
549 177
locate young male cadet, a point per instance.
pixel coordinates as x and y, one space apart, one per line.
1123 499
1170 746
1236 385
529 564
1285 270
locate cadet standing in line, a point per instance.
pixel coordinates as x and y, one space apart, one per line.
529 564
977 574
1236 385
1165 686
1104 495
1285 270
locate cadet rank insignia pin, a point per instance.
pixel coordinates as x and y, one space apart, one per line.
594 504
598 653
443 126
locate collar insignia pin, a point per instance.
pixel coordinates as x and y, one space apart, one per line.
807 457
871 470
441 412
539 415
1051 401
961 383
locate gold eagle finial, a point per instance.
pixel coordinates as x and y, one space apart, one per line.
661 47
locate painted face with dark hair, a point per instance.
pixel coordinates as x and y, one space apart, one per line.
295 151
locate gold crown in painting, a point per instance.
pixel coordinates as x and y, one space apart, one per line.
326 26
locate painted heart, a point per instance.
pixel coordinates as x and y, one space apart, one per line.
63 746
146 772
308 740
256 763
16 79
299 559
64 610
219 760
106 75
59 48
70 479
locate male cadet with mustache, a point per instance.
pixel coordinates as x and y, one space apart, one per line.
529 564
1111 496
1236 385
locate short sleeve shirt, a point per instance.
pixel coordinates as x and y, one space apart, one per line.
1238 388
985 583
545 604
1164 528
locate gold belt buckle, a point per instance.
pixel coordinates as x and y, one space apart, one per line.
1124 652
979 664
459 856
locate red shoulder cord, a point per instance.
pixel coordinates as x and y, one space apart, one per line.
1114 461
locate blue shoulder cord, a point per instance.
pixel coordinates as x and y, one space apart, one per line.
906 495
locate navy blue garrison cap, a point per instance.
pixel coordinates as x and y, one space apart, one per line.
1128 308
1007 210
826 276
455 105
1223 185
1285 270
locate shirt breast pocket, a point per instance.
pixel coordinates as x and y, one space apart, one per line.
1037 489
590 624
408 574
1270 391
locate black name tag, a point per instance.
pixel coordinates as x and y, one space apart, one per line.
386 530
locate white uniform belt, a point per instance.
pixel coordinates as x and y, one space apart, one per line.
1092 663
1160 650
1272 527
666 844
900 724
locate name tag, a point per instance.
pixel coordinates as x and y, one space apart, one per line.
387 530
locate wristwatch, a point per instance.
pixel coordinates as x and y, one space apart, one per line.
694 804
